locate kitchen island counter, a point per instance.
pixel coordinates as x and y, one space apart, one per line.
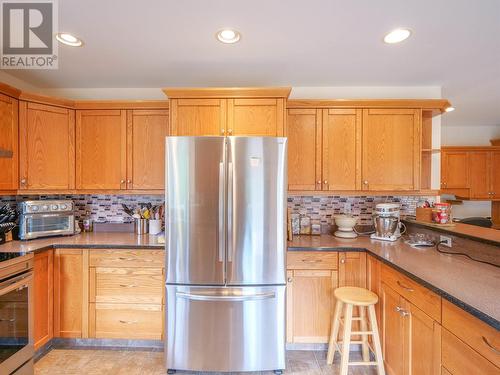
473 286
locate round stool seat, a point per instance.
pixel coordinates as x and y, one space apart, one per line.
355 296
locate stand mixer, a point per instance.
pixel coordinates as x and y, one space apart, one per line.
386 220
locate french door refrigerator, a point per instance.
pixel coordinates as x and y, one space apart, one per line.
225 249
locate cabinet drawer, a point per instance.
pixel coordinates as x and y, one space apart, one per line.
127 258
126 321
126 285
460 359
420 296
312 260
481 337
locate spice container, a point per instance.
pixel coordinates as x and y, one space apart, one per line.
295 223
305 224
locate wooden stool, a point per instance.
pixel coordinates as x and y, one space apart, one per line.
361 298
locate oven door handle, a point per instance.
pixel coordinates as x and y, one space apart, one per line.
19 282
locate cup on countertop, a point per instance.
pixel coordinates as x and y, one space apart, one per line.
154 226
141 226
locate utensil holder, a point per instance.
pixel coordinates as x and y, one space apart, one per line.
141 226
154 226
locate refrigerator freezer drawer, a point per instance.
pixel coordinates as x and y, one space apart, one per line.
225 328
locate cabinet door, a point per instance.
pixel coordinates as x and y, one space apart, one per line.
101 146
341 149
146 132
454 170
373 282
352 269
391 149
393 332
479 176
8 143
424 342
257 117
304 149
47 147
310 305
43 269
198 116
495 174
71 293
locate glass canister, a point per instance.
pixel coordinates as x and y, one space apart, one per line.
441 213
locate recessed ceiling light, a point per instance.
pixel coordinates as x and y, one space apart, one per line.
397 36
69 39
449 109
228 36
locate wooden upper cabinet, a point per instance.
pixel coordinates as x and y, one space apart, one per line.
146 132
228 111
304 149
46 147
341 149
255 116
8 143
479 176
495 174
101 145
391 149
198 116
454 169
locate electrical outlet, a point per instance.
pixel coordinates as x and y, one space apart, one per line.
445 240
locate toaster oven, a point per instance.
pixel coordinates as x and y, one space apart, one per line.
46 218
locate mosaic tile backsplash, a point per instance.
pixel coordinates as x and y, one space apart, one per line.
107 208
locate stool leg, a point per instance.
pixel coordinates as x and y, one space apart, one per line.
346 339
332 345
376 340
364 337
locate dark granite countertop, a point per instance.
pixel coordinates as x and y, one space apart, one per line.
473 286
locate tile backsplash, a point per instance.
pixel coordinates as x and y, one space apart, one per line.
321 209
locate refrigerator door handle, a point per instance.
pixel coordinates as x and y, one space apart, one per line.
221 212
230 212
225 298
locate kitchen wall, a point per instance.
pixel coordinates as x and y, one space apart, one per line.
320 208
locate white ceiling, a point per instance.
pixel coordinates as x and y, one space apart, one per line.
158 43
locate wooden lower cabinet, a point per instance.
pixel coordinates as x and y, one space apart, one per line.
126 289
352 269
70 293
43 285
411 339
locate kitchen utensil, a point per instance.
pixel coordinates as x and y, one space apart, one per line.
141 226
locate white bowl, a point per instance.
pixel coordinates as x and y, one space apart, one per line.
344 222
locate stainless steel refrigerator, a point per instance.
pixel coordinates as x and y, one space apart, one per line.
225 249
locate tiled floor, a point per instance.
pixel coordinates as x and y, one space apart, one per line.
117 362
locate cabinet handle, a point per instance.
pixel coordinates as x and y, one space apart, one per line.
405 287
229 131
312 260
495 350
128 285
8 320
128 321
289 279
401 311
127 259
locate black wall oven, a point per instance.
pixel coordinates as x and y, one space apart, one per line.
16 313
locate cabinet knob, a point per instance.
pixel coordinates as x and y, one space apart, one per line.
318 182
342 261
365 182
229 131
289 279
129 181
325 182
23 181
222 131
122 181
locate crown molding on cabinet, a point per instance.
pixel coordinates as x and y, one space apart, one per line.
437 106
227 92
50 100
9 90
121 104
